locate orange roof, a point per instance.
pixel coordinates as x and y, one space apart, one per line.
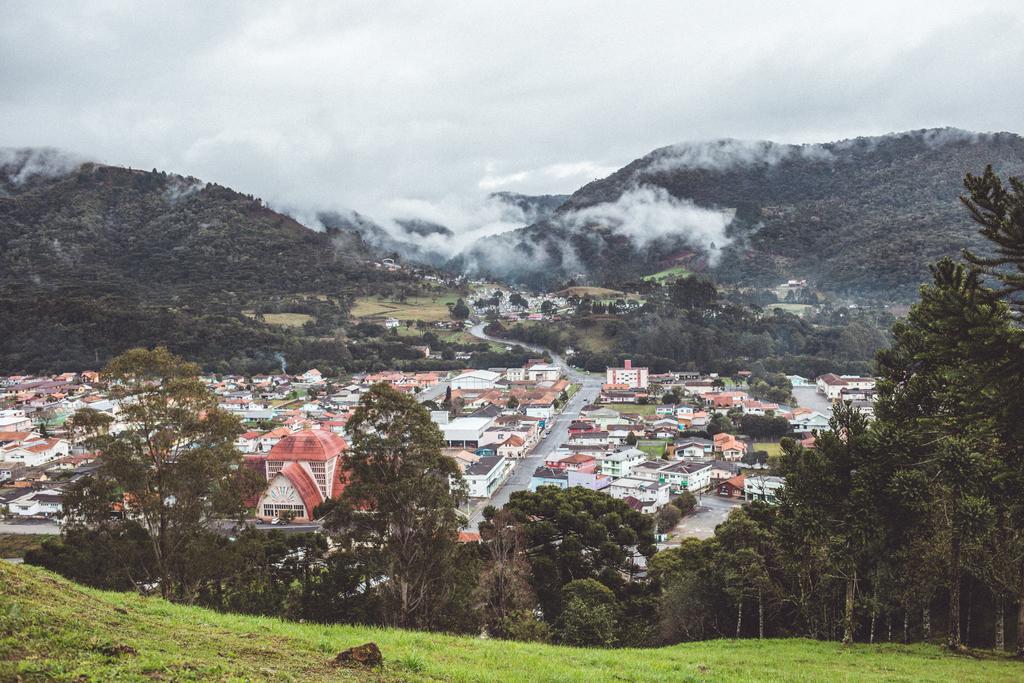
304 484
309 444
469 537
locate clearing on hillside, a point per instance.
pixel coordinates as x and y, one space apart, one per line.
426 308
54 630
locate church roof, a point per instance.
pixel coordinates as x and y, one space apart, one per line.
308 445
304 484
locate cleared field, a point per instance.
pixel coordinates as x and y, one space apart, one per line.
599 292
797 309
673 273
631 408
283 319
769 447
424 308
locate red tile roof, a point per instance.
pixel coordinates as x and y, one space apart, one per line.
304 484
310 445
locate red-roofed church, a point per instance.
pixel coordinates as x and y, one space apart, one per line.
302 471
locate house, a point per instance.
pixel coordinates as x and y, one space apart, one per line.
33 452
464 459
762 487
549 476
652 495
475 379
729 447
734 487
312 376
722 470
634 378
691 448
392 323
45 503
512 448
808 421
577 462
485 476
832 385
544 410
302 471
589 480
621 463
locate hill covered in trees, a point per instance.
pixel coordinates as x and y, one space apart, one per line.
865 215
97 259
136 638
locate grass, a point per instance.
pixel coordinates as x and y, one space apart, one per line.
596 292
673 273
426 308
53 630
16 545
797 309
284 319
632 408
654 448
770 447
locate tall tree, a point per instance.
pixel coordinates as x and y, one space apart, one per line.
174 468
398 513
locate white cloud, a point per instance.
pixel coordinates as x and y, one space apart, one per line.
351 104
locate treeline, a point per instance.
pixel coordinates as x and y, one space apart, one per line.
912 523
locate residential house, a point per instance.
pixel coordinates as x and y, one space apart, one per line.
762 487
485 476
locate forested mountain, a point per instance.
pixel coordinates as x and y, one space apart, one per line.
860 216
97 259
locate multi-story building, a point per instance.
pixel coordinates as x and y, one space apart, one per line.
634 378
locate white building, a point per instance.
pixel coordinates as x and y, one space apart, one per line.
476 379
485 475
621 463
652 494
45 503
634 378
462 432
14 421
33 452
762 487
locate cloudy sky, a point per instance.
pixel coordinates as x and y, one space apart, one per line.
365 104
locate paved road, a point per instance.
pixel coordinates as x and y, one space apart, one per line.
711 512
557 434
810 397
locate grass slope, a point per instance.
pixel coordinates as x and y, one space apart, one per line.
51 629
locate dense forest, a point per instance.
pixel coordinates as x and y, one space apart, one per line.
862 216
100 259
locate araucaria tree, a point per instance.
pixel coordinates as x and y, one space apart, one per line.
174 470
398 515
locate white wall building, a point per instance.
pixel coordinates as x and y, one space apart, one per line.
635 378
485 476
476 379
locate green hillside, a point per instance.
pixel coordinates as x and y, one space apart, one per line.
51 629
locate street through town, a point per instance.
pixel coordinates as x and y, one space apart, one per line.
556 434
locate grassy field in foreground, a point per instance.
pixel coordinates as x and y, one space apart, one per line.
426 308
51 629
